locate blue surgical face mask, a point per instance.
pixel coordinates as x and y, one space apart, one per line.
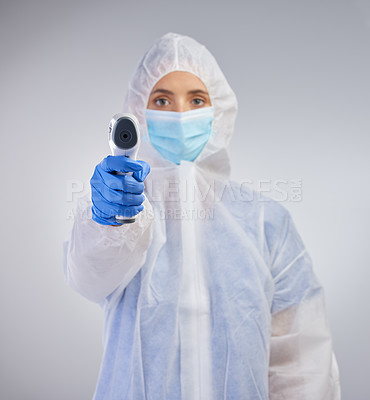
179 136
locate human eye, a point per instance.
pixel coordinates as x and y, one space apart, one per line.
198 102
161 102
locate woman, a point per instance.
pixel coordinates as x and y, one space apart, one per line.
210 293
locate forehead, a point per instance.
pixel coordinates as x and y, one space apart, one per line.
179 81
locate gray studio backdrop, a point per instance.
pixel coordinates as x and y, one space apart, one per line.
300 70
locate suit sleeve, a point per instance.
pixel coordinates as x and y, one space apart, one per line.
302 362
98 259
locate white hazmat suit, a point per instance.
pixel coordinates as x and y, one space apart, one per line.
210 294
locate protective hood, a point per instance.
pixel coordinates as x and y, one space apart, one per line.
174 52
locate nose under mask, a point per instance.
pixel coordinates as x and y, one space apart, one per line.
180 135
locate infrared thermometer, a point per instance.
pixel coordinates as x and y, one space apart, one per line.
124 140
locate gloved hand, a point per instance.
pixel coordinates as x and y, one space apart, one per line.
113 194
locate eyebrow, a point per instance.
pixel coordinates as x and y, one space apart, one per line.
163 91
190 91
197 91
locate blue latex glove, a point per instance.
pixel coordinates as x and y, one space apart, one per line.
113 194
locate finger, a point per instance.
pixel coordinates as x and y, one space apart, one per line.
108 212
141 175
125 183
120 164
117 196
103 208
108 209
131 185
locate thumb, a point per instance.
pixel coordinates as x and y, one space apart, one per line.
143 173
